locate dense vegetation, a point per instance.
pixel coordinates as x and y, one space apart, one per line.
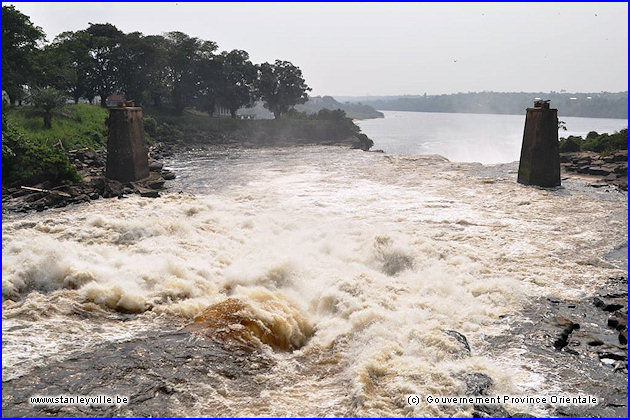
29 161
600 105
174 69
595 142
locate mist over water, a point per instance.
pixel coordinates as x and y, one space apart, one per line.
484 138
359 261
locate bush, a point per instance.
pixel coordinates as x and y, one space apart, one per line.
327 114
150 125
592 135
607 143
570 144
25 161
363 142
594 142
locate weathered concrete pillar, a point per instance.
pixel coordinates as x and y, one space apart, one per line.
540 156
127 157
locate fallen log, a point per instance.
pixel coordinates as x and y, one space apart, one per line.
59 193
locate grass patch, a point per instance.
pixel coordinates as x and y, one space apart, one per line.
76 126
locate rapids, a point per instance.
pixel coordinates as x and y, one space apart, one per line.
358 264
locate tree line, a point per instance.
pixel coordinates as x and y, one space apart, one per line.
170 70
595 105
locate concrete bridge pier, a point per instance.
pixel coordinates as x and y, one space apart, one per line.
127 154
540 155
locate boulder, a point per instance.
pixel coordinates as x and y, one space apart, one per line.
156 184
168 175
597 170
155 166
620 156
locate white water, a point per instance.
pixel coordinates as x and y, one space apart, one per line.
485 138
378 254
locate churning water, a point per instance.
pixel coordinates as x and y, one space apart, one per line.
485 138
350 267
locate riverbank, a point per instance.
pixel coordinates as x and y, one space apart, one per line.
600 170
66 164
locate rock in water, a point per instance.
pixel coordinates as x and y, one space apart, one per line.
275 323
461 338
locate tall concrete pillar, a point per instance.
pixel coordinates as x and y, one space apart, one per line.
127 155
540 155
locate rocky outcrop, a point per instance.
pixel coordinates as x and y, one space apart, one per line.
609 169
589 336
90 165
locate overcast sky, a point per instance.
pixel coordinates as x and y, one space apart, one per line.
393 48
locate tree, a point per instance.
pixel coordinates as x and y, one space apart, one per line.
239 78
72 49
47 101
105 59
19 44
211 81
62 65
281 86
185 53
158 72
139 57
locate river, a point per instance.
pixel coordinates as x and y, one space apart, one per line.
358 267
485 138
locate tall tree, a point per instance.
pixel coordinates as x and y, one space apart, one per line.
158 73
105 51
211 81
19 44
139 57
185 53
239 78
73 50
281 86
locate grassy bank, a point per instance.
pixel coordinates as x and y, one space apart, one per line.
75 126
32 153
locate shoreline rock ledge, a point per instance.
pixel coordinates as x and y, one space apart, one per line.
609 169
90 165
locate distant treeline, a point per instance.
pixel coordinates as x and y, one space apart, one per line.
357 111
596 105
315 104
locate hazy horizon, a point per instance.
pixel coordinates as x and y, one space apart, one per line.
393 49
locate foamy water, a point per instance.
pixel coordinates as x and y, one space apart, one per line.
366 258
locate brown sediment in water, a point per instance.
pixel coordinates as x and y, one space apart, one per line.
234 320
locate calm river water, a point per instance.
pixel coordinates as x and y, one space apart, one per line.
485 138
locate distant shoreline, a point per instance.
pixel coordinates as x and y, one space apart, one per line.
571 104
494 113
